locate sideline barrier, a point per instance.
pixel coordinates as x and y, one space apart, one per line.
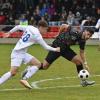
52 33
19 34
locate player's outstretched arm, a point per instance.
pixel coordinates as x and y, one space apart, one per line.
5 35
83 57
58 49
47 47
16 28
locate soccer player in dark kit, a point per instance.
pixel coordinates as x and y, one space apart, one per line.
64 40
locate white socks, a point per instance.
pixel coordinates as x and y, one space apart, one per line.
5 77
31 71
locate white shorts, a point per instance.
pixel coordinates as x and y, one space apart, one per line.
17 58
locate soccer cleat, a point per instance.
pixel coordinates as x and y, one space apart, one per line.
26 84
85 83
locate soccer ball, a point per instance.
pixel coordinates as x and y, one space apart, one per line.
83 74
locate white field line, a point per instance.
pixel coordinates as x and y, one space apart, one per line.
65 86
15 89
20 89
35 84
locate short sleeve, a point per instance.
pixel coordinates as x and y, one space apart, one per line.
82 44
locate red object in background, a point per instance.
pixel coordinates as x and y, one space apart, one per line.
19 34
54 29
50 35
1 34
2 19
53 32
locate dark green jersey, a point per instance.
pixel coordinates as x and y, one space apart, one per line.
69 38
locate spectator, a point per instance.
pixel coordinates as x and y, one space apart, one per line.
70 18
2 18
10 21
6 5
89 21
37 16
43 10
32 21
78 18
51 10
23 20
48 8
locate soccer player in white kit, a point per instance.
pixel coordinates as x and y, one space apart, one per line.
98 28
19 54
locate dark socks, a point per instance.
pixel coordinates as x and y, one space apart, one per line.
41 68
79 68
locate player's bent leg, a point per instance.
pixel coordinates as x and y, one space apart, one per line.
78 62
30 71
8 75
5 77
34 66
14 70
50 58
45 65
35 62
24 72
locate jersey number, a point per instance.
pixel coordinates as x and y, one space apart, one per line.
26 38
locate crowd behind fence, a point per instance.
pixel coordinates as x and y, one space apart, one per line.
31 11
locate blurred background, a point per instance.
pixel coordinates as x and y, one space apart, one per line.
55 12
12 12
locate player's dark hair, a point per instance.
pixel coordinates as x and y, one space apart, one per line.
42 23
89 29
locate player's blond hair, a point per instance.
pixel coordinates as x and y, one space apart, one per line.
64 28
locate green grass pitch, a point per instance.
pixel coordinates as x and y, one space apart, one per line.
59 82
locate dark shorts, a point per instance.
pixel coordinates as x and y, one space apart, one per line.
66 52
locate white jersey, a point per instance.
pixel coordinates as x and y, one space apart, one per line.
30 36
98 25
